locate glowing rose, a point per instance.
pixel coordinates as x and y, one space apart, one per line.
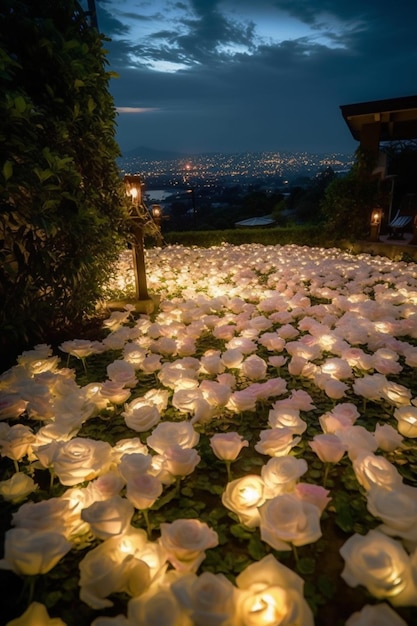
243 496
358 440
375 615
28 552
346 410
143 490
211 363
387 437
132 445
276 441
36 615
111 567
81 459
227 446
380 564
243 400
287 418
17 488
185 542
113 391
328 447
17 442
104 487
108 518
141 416
134 464
406 417
156 607
181 461
287 520
208 598
216 394
397 508
280 474
52 515
371 469
168 433
11 406
314 494
271 594
254 367
232 358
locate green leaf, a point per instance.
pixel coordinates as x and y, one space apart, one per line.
7 170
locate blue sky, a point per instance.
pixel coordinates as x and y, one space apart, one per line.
253 75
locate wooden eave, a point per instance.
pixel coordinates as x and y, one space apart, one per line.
395 117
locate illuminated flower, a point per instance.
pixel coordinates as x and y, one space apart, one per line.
134 464
28 552
232 358
387 438
157 607
168 433
180 461
141 416
108 518
380 564
17 488
185 542
81 459
143 490
280 474
276 441
244 496
227 446
375 615
406 417
53 515
271 594
371 469
208 598
328 447
36 615
314 494
17 442
122 372
11 406
397 508
287 418
254 367
285 519
115 392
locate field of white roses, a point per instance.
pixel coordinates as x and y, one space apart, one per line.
244 456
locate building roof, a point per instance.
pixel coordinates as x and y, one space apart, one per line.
397 117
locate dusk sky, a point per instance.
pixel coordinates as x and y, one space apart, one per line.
253 75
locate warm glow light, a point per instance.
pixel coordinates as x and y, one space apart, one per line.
249 495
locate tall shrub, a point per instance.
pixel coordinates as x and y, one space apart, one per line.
61 197
348 201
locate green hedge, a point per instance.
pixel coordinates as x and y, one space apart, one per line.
302 236
61 197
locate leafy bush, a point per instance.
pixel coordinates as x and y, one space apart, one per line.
61 197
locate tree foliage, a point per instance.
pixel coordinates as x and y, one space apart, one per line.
347 203
62 202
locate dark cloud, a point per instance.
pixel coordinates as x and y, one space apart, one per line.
238 89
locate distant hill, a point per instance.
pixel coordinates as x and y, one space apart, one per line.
150 154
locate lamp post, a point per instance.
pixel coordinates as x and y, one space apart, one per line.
157 218
143 302
376 219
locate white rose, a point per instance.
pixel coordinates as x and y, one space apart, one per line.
81 459
157 607
108 518
17 488
208 598
141 416
375 615
168 433
254 367
371 469
180 461
52 515
380 564
271 594
28 552
185 542
397 508
36 615
280 474
227 446
286 520
276 441
243 496
143 490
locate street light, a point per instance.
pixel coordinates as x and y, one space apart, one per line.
376 219
157 218
133 184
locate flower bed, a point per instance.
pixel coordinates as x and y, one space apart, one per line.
244 456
